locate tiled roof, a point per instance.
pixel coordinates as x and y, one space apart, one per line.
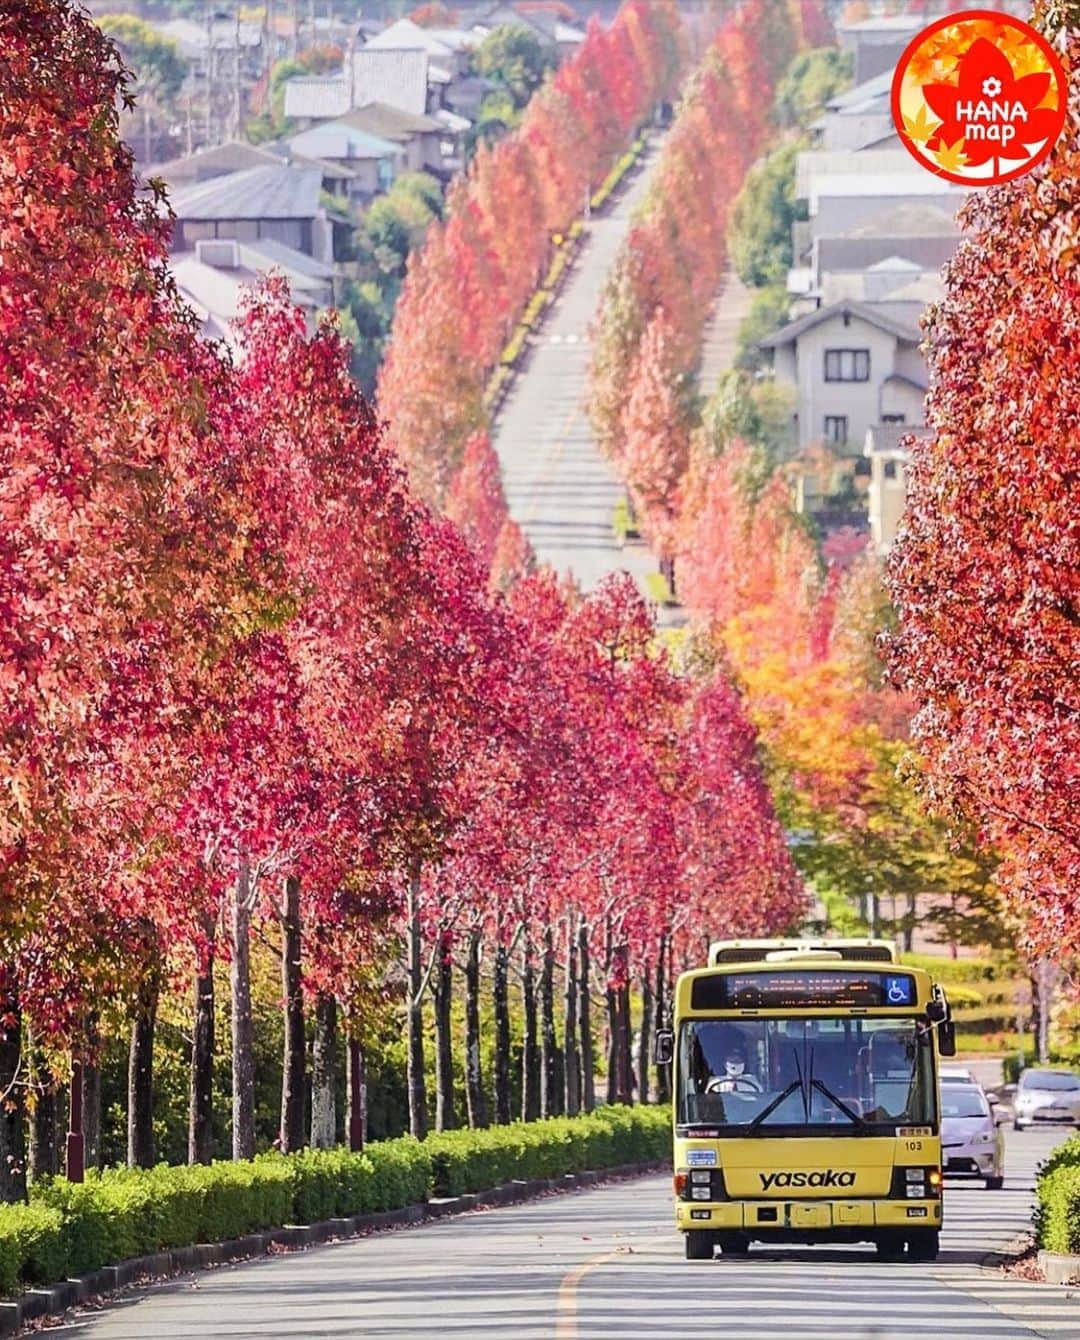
397 78
205 164
283 192
875 314
408 36
392 123
858 252
338 139
316 97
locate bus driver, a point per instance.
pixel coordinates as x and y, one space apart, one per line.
735 1078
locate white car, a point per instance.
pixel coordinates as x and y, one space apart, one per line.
972 1142
1047 1095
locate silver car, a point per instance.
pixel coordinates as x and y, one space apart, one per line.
1047 1095
972 1142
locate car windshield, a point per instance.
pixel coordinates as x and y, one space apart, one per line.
1049 1080
863 1074
959 1100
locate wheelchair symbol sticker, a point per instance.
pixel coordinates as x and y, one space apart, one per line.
898 991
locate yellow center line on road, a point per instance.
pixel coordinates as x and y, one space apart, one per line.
551 462
566 1308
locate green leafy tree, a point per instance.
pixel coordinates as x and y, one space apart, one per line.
769 308
517 59
158 70
812 79
762 216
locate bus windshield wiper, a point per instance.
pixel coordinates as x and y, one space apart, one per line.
768 1111
814 1083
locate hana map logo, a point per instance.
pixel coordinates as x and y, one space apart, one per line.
979 98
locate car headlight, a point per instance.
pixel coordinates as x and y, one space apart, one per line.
984 1138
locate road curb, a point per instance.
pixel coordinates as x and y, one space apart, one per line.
1059 1267
57 1299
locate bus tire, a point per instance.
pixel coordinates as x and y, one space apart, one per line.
699 1244
890 1248
924 1246
733 1244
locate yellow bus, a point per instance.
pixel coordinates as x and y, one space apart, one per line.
805 1091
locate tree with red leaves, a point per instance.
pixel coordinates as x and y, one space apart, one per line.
986 574
475 502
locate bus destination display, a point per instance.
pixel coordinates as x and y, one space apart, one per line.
816 989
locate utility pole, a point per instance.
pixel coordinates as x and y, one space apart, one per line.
209 71
236 75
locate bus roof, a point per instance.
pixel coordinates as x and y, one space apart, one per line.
759 951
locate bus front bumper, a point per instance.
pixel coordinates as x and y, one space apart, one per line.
816 1216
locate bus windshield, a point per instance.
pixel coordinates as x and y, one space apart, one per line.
864 1075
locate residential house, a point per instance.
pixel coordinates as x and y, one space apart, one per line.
396 77
887 450
206 164
857 118
420 138
448 49
280 203
214 276
546 22
851 365
878 43
373 163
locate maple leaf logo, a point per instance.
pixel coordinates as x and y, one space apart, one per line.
983 137
919 127
951 156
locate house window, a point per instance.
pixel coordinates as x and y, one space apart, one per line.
847 365
893 418
890 470
836 428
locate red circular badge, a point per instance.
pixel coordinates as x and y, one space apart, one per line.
979 98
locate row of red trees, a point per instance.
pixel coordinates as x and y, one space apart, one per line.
663 286
249 680
470 281
986 576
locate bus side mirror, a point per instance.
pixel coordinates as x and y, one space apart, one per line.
664 1047
946 1038
937 1011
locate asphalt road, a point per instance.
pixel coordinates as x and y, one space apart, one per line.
558 486
606 1263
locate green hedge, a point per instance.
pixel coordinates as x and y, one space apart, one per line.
70 1229
464 1161
1057 1199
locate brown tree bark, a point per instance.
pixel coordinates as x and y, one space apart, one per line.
418 1113
243 1046
12 1091
550 1089
293 1073
324 1073
501 1003
140 1142
356 1116
588 1061
444 1055
475 1101
201 1083
572 1065
530 1052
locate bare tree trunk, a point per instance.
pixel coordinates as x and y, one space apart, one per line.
357 1090
91 1097
626 1059
12 1089
501 1001
475 1102
572 1068
323 1073
611 1000
140 1144
530 1053
75 1145
201 1088
44 1158
418 1116
444 1054
588 1062
663 1087
550 1095
291 1135
243 1051
645 1036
